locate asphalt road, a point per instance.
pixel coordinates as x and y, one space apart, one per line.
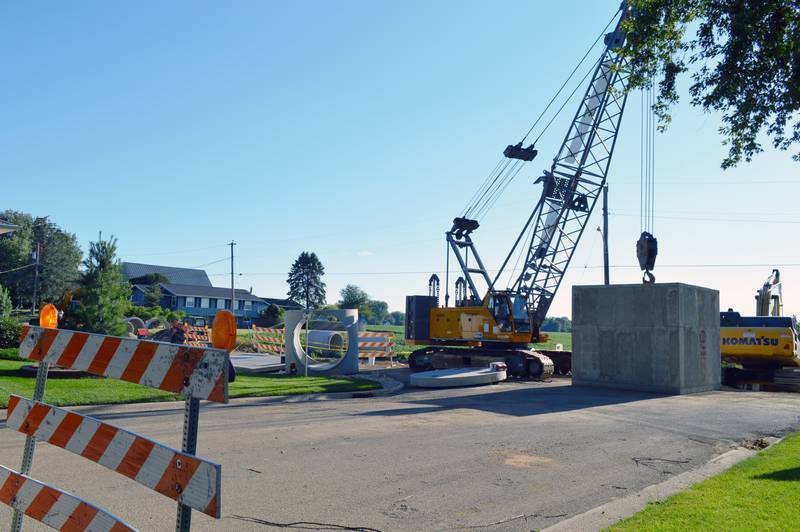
516 456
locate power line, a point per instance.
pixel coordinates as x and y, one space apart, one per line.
20 268
427 272
731 220
178 252
210 263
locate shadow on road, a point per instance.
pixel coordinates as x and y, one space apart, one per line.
520 401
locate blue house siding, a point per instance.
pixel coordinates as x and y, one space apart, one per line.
205 301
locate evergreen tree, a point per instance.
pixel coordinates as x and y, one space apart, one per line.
273 314
5 302
305 281
152 296
104 292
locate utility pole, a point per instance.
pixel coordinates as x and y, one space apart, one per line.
233 290
35 279
605 235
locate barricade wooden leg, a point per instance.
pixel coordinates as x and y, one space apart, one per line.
191 417
30 441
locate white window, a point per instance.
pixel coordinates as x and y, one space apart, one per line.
189 302
204 302
248 305
220 303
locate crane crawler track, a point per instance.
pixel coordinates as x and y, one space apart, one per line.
522 363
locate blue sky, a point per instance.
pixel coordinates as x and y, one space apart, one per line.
354 129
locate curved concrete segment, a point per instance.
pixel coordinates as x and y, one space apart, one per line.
295 354
448 378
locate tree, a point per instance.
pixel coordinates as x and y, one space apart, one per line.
398 318
744 60
5 302
559 324
305 281
273 314
104 292
152 296
379 310
59 258
352 297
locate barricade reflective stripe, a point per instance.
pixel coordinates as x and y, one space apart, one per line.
197 336
268 339
186 478
53 507
197 372
374 344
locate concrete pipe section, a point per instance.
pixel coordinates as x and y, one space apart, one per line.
329 343
450 378
332 341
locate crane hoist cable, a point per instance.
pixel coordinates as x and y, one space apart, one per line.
504 173
647 245
574 70
501 176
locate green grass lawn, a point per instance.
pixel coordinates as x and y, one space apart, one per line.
92 391
757 494
554 338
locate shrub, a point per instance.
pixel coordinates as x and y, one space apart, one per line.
5 302
9 333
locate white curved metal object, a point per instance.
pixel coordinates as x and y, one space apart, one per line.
447 378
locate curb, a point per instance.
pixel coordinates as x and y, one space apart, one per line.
389 386
613 511
122 410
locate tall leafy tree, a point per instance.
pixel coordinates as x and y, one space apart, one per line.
104 292
354 297
379 310
59 259
398 318
305 281
743 61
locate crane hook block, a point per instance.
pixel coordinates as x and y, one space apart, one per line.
646 251
516 151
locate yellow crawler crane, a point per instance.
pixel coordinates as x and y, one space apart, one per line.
764 345
496 318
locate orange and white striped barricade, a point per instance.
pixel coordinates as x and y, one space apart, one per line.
194 372
53 507
374 344
197 336
269 340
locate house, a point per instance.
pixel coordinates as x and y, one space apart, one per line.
134 271
190 290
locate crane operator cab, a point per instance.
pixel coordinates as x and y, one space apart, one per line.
510 312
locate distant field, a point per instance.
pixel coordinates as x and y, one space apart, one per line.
563 338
